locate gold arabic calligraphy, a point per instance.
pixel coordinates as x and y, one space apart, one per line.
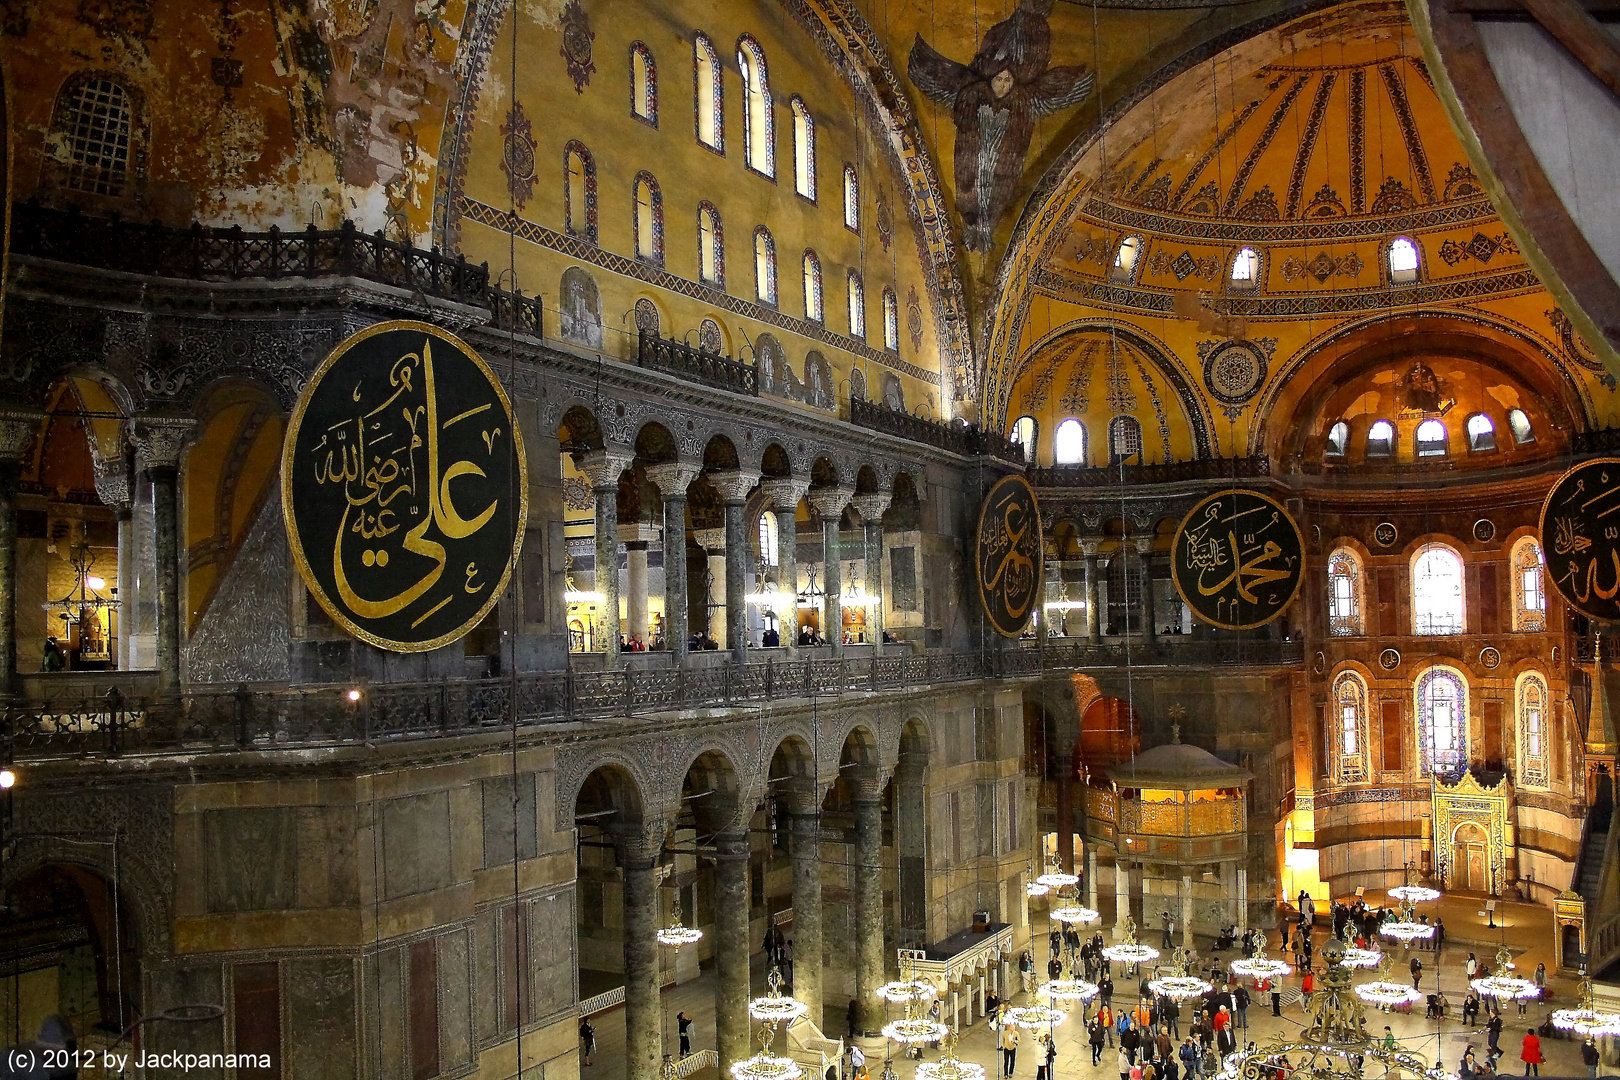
1584 549
1244 552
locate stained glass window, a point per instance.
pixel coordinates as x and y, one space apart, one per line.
1437 592
1345 589
1442 716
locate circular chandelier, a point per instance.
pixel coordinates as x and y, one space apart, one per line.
1055 878
1406 928
1413 892
949 1066
1586 1019
1035 887
1073 988
1128 951
1073 913
908 987
1334 1043
1500 985
764 1065
915 1029
1258 965
773 1006
1382 991
1183 987
1360 958
1035 1016
675 934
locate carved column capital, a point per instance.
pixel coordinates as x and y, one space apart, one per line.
639 842
733 485
639 533
1144 545
872 507
784 495
804 797
160 440
866 782
829 502
112 482
18 427
712 541
672 478
1090 545
602 467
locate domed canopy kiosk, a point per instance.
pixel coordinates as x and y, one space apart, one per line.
1175 811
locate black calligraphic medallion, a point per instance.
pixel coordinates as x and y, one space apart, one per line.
1009 555
404 486
1580 538
1238 559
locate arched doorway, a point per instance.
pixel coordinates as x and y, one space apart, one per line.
1470 865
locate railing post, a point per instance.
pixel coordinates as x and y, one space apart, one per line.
770 672
244 714
311 244
275 252
115 706
346 243
568 691
444 704
627 691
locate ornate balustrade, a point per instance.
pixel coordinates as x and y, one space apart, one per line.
674 357
954 438
1180 819
115 714
1075 476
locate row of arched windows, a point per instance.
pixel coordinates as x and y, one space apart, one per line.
1243 271
1070 441
758 114
580 220
1439 595
1440 704
1430 439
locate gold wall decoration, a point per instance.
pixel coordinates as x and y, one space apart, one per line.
1580 542
1490 809
1238 559
1009 555
404 486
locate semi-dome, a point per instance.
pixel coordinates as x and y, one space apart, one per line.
1179 766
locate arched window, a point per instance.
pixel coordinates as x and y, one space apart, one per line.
857 306
1246 269
643 84
1529 588
852 199
1125 258
1437 591
1481 432
814 308
1381 439
1346 591
96 122
1431 439
1338 439
759 119
1069 443
891 320
804 150
1531 702
1125 440
649 220
709 90
579 192
768 538
1441 701
1403 261
711 246
1024 430
1519 424
1350 728
764 266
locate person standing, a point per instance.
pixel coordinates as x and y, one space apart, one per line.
1125 1065
1094 1035
1471 967
1189 1059
1439 934
1530 1053
1026 968
1009 1048
683 1028
1241 997
1493 1030
1048 1059
587 1040
1307 986
1417 972
851 1015
1589 1057
1389 1038
857 1062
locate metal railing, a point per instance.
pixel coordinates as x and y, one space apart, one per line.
954 438
77 719
1075 476
674 357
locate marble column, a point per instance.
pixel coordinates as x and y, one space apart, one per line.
672 479
1094 615
113 489
637 539
638 847
783 497
1065 808
17 430
1091 877
713 543
731 948
1186 911
807 949
159 444
602 468
867 871
829 504
734 486
1122 895
1144 555
1242 919
872 508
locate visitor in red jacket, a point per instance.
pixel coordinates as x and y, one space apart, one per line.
1530 1053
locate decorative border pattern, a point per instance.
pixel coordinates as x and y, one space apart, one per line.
1403 116
1307 142
1262 143
574 248
655 197
1132 219
1220 142
650 118
1382 793
1358 141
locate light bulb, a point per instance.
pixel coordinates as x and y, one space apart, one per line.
8 779
354 696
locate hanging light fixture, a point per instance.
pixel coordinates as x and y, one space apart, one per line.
571 593
1036 887
1360 958
1129 951
774 1006
1054 877
85 607
1586 1018
812 594
1258 965
1183 987
1406 928
764 1065
914 1027
1413 892
1382 991
1073 988
908 987
675 934
1500 985
1031 1017
1071 911
949 1066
